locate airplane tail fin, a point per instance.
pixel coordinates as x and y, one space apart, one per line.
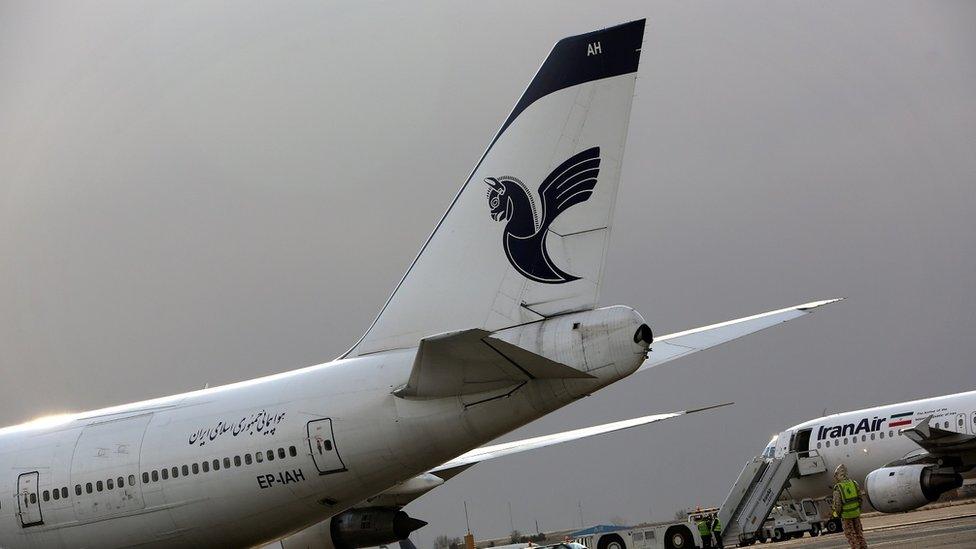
526 236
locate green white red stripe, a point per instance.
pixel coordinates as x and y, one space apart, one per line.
897 420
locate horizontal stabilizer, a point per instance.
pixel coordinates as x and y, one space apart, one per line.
471 361
676 345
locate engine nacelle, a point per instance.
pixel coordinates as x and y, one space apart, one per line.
907 487
366 527
371 526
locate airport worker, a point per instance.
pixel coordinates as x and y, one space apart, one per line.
847 505
716 532
705 532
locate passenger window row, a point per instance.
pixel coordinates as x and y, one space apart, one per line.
215 465
853 439
175 472
56 494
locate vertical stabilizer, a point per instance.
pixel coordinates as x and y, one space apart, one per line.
526 236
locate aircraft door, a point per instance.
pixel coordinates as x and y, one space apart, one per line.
28 500
801 443
321 444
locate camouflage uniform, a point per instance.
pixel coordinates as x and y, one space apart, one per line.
852 526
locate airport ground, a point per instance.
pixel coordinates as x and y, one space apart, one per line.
939 526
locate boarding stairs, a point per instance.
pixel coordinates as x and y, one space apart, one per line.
758 488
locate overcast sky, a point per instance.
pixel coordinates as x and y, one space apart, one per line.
205 192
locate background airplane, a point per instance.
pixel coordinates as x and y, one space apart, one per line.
904 455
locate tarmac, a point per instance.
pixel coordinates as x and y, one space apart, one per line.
941 526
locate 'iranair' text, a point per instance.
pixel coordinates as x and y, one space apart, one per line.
864 426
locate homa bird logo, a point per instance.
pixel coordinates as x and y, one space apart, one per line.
524 240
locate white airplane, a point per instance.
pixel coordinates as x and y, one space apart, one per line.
493 325
904 455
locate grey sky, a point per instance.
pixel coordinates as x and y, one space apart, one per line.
199 193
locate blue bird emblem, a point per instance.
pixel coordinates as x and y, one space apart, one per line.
524 239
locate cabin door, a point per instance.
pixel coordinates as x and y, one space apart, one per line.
321 444
28 501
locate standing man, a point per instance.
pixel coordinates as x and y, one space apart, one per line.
705 532
716 531
847 505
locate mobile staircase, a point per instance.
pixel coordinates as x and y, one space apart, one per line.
758 488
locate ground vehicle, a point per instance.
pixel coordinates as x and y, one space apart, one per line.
664 535
791 519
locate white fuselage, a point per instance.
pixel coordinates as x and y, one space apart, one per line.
342 434
865 440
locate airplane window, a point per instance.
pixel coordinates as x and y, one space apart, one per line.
270 455
164 473
259 457
145 477
47 496
237 461
226 463
155 476
845 440
281 453
176 471
328 445
891 433
864 438
56 494
292 451
854 439
872 436
945 424
110 484
206 466
121 482
185 469
33 497
818 446
216 465
247 459
881 434
64 491
77 489
99 486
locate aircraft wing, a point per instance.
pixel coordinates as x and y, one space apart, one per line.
679 344
415 487
940 442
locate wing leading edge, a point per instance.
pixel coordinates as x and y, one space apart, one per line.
415 487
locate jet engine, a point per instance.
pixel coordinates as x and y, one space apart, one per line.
366 527
907 487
